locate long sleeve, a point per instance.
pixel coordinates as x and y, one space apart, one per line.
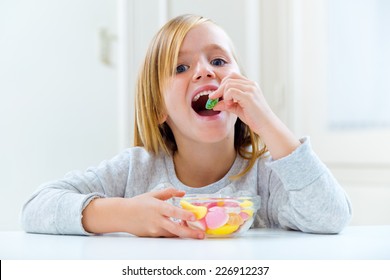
56 207
304 195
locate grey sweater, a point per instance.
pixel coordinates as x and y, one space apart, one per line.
297 192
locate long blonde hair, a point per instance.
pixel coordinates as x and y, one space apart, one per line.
159 65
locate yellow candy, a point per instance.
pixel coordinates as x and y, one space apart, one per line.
246 204
199 211
248 211
223 230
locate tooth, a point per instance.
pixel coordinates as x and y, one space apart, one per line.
203 93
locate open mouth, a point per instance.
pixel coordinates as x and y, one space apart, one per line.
198 104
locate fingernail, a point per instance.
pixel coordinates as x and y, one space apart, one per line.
213 94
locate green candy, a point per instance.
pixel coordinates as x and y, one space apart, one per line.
211 103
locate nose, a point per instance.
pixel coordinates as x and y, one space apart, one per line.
203 70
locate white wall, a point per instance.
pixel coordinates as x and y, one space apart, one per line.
58 105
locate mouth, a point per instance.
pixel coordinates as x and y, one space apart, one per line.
198 104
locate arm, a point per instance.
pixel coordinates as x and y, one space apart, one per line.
93 202
303 193
144 215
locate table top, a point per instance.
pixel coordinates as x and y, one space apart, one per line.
354 242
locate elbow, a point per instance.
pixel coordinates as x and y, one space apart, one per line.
336 215
335 225
333 222
329 221
338 223
341 217
26 218
30 217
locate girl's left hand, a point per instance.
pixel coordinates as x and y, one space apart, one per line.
243 98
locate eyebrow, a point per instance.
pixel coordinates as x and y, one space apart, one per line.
209 47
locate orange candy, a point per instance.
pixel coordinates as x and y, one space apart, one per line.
235 219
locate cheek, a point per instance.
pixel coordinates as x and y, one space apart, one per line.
175 96
232 69
174 106
236 69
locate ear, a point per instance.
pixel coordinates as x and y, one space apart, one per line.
162 119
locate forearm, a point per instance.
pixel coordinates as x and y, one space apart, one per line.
104 215
278 138
54 210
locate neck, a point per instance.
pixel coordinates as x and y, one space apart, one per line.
198 165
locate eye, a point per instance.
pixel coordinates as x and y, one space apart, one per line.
218 62
181 68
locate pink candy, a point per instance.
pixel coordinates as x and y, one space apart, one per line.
216 217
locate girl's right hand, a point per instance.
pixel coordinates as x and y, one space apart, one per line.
151 216
146 215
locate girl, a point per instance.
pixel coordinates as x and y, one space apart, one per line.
239 144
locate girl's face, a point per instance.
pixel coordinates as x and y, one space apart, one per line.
205 58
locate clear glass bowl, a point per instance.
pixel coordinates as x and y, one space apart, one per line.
220 216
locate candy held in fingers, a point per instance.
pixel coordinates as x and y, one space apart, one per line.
211 103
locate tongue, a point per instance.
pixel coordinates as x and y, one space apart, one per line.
208 113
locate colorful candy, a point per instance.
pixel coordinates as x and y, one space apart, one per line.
211 103
220 217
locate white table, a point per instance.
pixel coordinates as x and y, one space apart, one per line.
355 242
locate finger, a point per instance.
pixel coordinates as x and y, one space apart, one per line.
166 233
229 82
238 93
172 211
218 93
168 210
233 96
158 232
167 193
220 106
227 104
182 230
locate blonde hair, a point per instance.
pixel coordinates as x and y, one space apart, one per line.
159 65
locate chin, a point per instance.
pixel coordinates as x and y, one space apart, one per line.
216 136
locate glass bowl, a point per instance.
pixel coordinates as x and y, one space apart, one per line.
220 216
